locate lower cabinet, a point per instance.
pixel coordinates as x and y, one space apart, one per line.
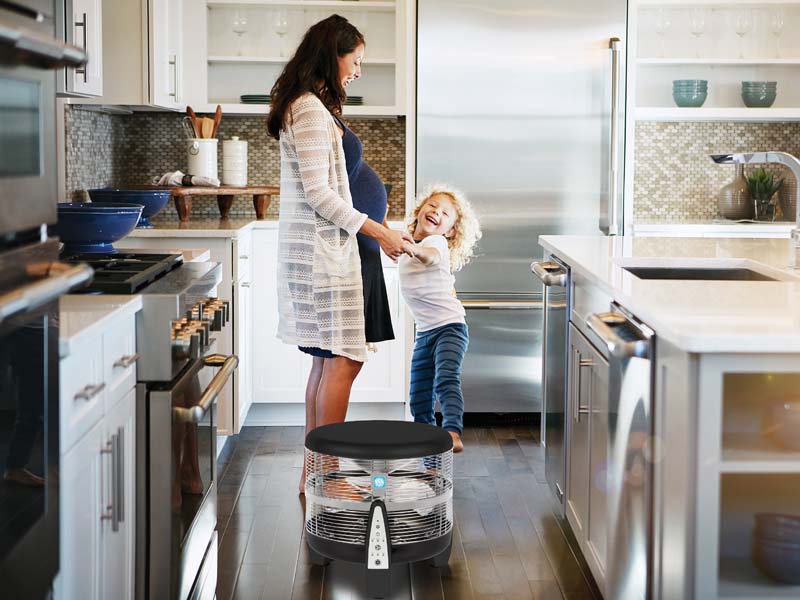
587 432
97 510
280 372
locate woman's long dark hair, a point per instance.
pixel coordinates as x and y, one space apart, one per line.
314 68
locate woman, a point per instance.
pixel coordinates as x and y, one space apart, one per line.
331 295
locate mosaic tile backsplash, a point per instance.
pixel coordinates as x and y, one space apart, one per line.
675 180
122 150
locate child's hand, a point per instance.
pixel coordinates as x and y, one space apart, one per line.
410 249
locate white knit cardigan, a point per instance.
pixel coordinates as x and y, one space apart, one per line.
320 298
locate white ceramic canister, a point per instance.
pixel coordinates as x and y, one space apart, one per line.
202 157
234 162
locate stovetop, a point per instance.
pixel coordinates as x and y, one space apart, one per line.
125 273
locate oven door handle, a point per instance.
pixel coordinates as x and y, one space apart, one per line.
196 413
602 324
64 278
23 46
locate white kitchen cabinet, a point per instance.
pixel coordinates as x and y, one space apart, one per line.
243 324
280 371
83 27
142 54
587 432
242 47
97 494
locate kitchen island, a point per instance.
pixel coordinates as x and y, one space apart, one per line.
720 445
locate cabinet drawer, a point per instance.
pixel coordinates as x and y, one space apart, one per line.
82 391
119 359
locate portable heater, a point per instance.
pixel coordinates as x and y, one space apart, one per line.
379 493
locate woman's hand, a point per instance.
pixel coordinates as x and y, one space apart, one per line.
394 243
391 241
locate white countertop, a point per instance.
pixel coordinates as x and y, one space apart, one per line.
215 228
697 316
718 226
189 255
84 314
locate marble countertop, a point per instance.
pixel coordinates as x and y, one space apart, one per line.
84 314
221 228
697 316
716 225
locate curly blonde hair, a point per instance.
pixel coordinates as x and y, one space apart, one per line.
467 227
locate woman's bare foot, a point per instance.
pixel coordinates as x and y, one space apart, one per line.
458 445
23 477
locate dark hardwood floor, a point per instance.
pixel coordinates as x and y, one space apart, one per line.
507 542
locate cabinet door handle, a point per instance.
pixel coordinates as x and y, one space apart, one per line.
120 466
126 361
174 62
577 409
90 391
84 70
112 508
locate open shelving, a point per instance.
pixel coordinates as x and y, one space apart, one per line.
665 49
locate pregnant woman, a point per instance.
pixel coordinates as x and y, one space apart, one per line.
331 294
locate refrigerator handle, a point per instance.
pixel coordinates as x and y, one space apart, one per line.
615 45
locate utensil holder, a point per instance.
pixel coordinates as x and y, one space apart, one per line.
202 157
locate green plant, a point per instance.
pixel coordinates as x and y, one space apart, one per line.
762 186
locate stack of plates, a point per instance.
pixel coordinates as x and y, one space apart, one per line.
254 98
354 101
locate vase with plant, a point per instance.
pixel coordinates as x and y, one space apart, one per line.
763 185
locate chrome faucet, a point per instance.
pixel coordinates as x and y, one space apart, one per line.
782 158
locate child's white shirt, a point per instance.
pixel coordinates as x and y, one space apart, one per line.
428 291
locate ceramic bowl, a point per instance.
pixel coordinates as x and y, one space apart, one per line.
758 99
777 560
693 82
778 528
692 98
91 227
152 200
781 424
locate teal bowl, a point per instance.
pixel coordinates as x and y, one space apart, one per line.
771 84
698 82
759 99
689 99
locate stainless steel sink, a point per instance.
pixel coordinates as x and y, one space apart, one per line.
699 273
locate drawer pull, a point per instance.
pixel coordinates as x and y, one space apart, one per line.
126 361
90 391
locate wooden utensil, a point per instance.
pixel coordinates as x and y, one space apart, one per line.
207 128
217 119
195 124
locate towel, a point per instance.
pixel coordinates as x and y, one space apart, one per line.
178 178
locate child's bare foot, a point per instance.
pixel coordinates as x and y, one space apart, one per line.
458 445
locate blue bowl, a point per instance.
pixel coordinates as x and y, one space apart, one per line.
90 227
152 200
692 99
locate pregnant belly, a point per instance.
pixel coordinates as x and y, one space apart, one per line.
369 196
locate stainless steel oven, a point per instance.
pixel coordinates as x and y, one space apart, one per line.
31 281
29 57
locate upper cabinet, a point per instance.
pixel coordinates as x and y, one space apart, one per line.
83 27
743 53
142 53
242 46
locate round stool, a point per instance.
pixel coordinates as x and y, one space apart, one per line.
379 493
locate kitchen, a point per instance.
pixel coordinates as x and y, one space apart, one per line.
601 135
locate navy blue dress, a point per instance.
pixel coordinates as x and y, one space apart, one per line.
369 196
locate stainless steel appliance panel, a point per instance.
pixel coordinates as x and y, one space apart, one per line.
630 346
555 278
501 371
514 107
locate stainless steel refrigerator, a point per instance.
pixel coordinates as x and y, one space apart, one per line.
514 106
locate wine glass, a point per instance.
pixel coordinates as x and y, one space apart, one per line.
662 24
744 23
697 24
281 25
776 26
239 28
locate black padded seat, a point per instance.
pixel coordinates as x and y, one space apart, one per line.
382 440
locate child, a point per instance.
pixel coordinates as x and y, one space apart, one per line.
445 231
